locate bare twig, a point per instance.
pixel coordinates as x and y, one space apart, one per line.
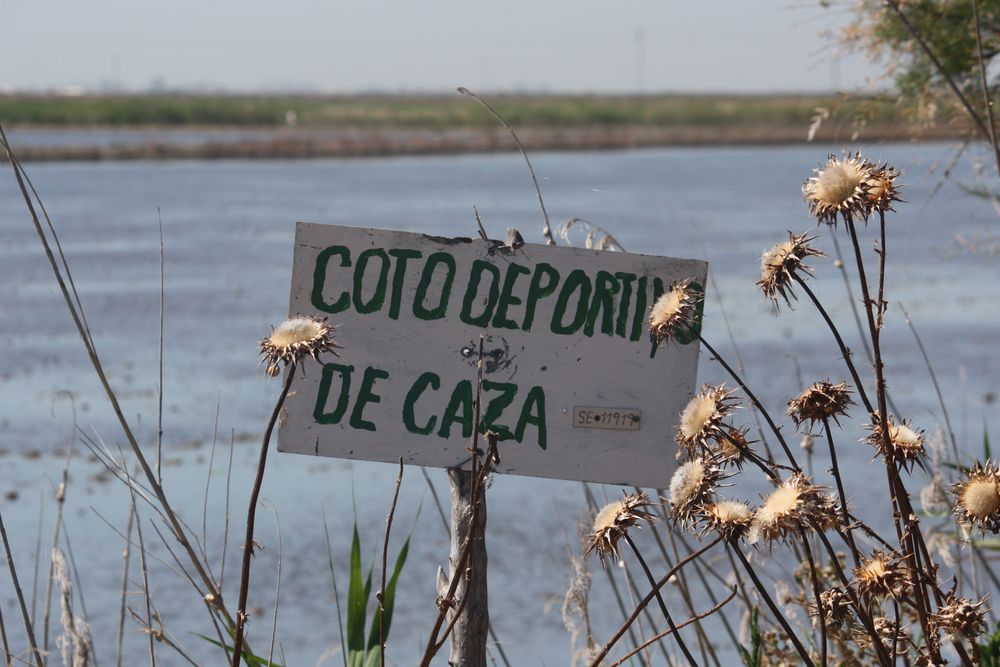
248 543
145 577
126 554
73 304
792 636
665 633
159 387
20 596
649 598
277 586
547 229
894 5
659 599
380 596
987 97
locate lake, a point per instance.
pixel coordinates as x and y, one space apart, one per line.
228 230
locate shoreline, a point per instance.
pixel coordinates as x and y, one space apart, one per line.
116 143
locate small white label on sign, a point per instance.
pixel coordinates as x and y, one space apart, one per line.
611 419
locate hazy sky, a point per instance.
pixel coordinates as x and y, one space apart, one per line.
561 45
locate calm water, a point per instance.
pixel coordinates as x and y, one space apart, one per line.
228 240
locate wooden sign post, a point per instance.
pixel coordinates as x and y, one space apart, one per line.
572 386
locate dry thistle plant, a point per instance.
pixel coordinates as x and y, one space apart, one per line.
613 522
888 606
674 311
701 421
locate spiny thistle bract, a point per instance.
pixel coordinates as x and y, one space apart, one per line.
880 575
961 617
733 447
882 189
838 613
781 263
613 522
692 485
790 508
906 444
822 400
838 188
295 339
977 497
701 419
675 310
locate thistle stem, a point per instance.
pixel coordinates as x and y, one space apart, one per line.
907 527
248 544
835 468
844 350
803 653
659 599
753 399
816 594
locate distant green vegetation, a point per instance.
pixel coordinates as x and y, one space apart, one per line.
430 111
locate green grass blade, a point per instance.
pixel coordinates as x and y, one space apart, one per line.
250 659
986 442
390 596
357 599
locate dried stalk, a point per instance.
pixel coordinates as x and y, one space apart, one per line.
380 596
248 542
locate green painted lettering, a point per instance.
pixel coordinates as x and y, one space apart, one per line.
459 410
507 298
476 276
532 412
378 295
626 282
343 302
577 279
402 256
366 396
603 305
538 289
438 311
418 388
640 310
326 380
496 406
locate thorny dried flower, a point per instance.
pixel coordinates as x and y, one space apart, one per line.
693 484
729 518
837 611
977 497
838 188
701 419
885 628
828 515
807 443
823 400
791 507
614 521
295 339
880 575
675 311
733 447
961 617
881 189
906 443
781 263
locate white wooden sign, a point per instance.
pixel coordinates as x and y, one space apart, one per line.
573 384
